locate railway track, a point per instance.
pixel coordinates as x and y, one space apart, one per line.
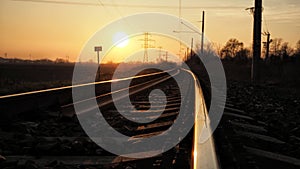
52 137
244 141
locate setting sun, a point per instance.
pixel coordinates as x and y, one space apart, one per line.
120 39
190 84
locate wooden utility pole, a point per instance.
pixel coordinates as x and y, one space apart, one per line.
187 54
192 43
202 36
256 40
267 44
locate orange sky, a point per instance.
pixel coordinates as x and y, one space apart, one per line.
56 30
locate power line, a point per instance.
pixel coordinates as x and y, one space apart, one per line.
194 30
129 6
266 25
179 10
100 2
180 20
121 15
117 8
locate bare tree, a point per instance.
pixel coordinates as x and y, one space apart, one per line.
231 48
243 54
217 48
275 46
297 50
208 49
60 60
286 50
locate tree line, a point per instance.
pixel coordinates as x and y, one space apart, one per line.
279 50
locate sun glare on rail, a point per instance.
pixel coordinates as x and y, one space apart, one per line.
120 39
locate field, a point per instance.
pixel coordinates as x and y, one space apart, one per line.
22 77
18 78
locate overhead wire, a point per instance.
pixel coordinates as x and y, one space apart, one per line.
180 20
116 6
100 2
266 25
130 5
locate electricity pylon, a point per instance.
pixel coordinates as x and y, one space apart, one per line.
146 45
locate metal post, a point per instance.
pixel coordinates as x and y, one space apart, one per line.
98 68
98 57
98 49
256 40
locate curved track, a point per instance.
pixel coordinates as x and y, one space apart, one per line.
53 137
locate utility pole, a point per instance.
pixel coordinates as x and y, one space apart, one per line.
202 36
256 40
267 44
192 48
67 59
187 54
159 54
146 45
166 56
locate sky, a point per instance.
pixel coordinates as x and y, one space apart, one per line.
37 29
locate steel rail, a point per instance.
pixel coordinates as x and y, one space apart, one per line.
83 85
137 88
203 153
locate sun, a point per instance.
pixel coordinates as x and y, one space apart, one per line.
120 39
